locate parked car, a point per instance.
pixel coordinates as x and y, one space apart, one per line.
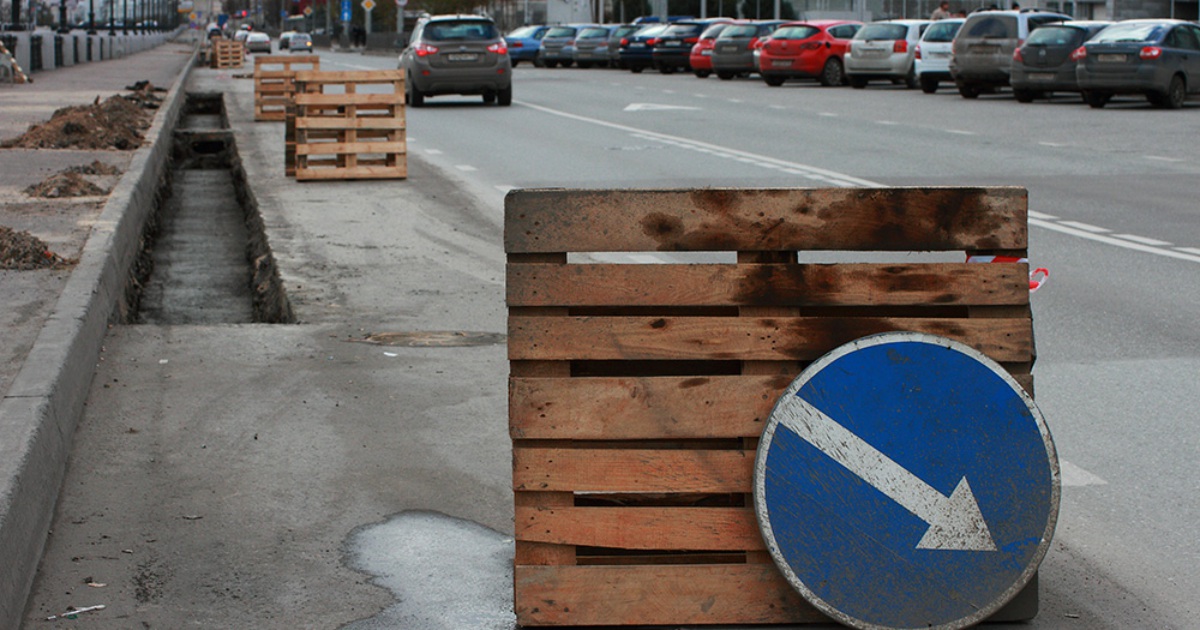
984 47
885 50
733 52
525 42
258 42
284 39
931 61
591 46
558 44
300 43
672 50
700 57
1157 58
457 54
1044 64
637 51
619 33
807 50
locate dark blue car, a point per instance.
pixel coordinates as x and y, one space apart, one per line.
637 50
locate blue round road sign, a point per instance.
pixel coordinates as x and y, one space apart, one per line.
905 480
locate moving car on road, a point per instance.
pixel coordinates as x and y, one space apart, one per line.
885 50
1045 64
1157 58
258 42
300 43
457 54
807 50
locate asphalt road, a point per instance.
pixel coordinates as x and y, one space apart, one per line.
228 476
1114 218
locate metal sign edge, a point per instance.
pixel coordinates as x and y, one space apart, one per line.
880 339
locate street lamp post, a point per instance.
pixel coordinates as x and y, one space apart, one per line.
124 17
63 27
91 17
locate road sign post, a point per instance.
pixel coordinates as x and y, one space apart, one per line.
906 480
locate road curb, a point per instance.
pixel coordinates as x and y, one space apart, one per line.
39 414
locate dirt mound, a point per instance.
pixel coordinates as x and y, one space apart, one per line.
22 251
65 184
118 122
95 168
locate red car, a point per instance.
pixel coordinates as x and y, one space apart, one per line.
807 50
701 55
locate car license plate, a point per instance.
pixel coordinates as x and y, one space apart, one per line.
672 43
462 56
937 55
985 49
637 45
1110 58
781 63
726 49
706 53
1041 76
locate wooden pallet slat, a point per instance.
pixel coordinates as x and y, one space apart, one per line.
226 54
274 83
638 392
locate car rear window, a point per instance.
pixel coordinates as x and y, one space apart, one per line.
593 33
1129 33
472 30
712 31
683 30
882 31
1056 36
739 30
795 32
561 31
524 31
991 27
942 32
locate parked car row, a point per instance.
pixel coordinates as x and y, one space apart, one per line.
1036 53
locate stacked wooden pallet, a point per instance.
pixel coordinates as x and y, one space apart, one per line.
348 125
226 53
274 83
638 392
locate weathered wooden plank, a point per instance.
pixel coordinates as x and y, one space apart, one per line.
642 408
714 219
369 122
842 284
335 77
748 339
667 529
357 172
631 470
343 148
305 99
657 595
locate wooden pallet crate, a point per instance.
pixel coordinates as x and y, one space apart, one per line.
227 53
638 392
347 125
274 83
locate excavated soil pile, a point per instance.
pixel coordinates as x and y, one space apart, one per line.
22 251
95 168
65 184
118 122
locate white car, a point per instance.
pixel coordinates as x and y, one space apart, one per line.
884 50
258 42
285 39
933 53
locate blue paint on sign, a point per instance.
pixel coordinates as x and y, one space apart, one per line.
905 481
345 10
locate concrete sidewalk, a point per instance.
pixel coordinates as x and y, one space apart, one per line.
54 321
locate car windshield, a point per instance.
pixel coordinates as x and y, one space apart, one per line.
872 32
712 31
992 27
523 32
942 32
593 33
299 39
473 30
561 31
1055 36
1129 33
795 32
739 30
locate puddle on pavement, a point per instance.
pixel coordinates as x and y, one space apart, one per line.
446 573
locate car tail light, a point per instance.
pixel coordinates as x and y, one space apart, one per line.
901 46
499 48
1079 54
691 40
653 41
756 44
517 45
1150 52
1018 57
810 46
624 42
424 50
917 52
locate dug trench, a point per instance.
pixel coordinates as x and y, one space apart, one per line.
204 256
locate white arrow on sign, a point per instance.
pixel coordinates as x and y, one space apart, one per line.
652 107
955 522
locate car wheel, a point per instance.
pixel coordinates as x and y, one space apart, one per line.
857 83
636 69
725 76
549 64
831 73
1096 100
666 69
585 64
702 74
538 63
516 62
504 96
1024 96
489 98
567 63
969 90
1175 95
910 79
415 97
929 85
772 80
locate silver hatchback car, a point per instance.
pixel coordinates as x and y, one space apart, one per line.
457 54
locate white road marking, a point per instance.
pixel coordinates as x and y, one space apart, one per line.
960 132
1073 475
1189 250
655 107
1160 158
828 114
433 151
1064 228
1053 144
465 168
1040 215
1144 240
1086 227
886 122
